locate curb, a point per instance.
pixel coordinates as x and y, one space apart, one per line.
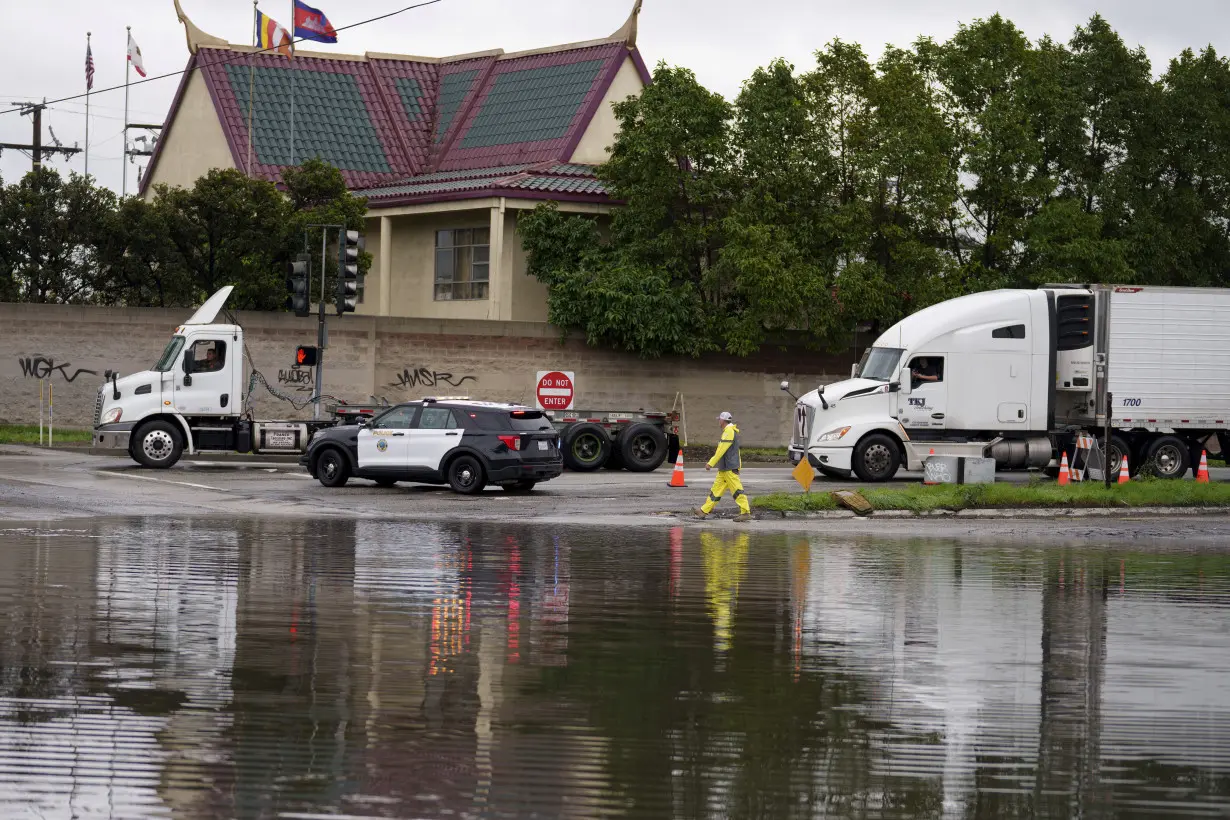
1034 512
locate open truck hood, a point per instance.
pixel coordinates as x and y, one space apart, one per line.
207 312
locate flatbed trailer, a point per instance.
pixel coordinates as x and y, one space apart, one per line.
638 441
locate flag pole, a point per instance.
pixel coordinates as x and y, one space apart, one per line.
291 65
124 155
251 83
87 107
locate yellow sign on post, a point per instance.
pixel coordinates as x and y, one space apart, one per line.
804 474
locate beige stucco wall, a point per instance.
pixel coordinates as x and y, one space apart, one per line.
195 143
603 127
529 296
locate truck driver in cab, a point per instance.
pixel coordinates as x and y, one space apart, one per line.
924 370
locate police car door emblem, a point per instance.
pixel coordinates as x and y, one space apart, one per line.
382 445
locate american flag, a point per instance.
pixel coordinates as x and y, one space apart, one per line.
89 67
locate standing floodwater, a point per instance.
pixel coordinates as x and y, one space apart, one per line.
207 668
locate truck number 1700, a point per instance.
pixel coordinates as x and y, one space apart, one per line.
1131 402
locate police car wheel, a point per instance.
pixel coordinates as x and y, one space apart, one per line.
332 469
465 475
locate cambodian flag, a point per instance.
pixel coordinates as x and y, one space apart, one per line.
311 24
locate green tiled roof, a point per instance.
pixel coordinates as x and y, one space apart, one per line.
560 185
453 90
410 92
334 123
532 105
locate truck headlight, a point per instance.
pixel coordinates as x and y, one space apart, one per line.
834 435
112 415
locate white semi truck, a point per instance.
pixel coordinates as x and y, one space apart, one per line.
1014 375
192 400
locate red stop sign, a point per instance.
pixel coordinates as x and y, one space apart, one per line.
554 391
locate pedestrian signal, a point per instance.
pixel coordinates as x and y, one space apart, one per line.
305 356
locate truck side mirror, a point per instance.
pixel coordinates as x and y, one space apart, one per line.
907 382
785 387
854 370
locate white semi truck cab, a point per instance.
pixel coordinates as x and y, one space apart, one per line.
1014 374
191 400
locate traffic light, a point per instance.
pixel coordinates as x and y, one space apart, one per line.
305 356
348 274
298 283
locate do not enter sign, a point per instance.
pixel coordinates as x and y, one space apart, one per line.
555 390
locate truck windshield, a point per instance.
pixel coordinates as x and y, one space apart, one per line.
167 361
880 363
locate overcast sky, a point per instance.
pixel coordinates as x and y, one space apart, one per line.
721 40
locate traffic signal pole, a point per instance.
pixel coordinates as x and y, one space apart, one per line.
320 328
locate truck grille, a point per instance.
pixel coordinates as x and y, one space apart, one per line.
802 424
98 403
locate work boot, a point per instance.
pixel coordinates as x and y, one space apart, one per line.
742 517
699 512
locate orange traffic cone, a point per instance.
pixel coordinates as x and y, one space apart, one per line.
677 476
1202 477
1064 475
1124 475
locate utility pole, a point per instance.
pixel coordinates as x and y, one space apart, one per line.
35 147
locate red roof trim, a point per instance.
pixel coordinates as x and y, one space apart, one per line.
639 62
211 77
143 183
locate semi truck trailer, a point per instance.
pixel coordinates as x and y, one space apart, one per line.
1015 375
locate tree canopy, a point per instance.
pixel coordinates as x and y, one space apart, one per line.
853 193
68 241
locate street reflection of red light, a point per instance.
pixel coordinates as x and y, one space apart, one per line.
514 600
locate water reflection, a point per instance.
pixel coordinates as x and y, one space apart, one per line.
260 669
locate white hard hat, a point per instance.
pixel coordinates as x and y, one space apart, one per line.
724 416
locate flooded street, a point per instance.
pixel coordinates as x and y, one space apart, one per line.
203 668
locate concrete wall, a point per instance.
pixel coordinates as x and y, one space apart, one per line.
71 348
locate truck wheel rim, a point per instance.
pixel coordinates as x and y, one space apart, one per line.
643 448
877 458
586 447
157 445
1168 459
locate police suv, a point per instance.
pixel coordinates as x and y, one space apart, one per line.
465 444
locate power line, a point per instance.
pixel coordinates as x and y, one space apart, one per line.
237 59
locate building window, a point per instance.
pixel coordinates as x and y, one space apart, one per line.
462 264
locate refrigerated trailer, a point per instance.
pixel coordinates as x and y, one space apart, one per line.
1015 375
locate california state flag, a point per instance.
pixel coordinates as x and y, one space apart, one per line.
134 56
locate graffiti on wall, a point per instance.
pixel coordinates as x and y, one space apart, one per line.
426 377
41 367
299 380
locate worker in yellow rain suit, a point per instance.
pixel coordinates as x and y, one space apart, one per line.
728 463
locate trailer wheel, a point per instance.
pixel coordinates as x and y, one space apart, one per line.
643 448
1115 453
586 447
158 444
331 468
876 458
1168 457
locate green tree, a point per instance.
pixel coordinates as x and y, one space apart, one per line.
52 227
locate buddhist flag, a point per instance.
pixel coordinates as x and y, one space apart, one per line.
134 56
804 474
311 24
270 36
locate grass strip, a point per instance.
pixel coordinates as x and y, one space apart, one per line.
1034 495
28 434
